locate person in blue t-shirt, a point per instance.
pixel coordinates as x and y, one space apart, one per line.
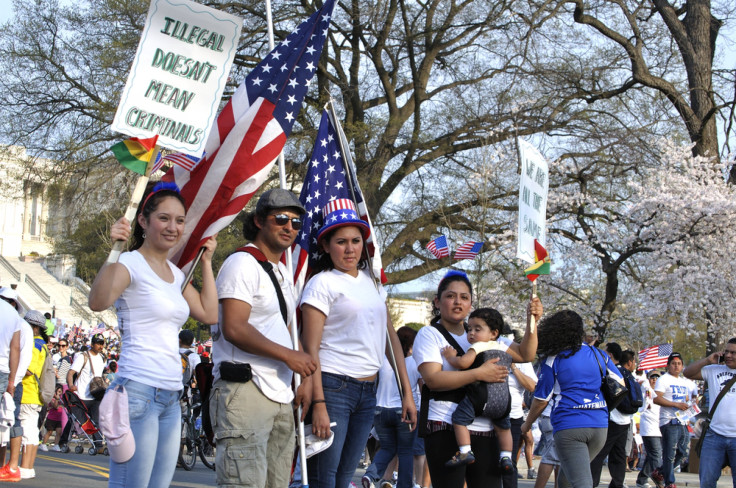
570 379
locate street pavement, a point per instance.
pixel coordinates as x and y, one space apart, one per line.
59 470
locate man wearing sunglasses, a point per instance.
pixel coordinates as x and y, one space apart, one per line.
719 445
251 398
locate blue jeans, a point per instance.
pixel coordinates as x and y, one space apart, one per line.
396 439
716 449
653 450
351 404
155 420
675 438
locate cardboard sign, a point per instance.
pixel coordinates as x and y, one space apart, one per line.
532 201
178 74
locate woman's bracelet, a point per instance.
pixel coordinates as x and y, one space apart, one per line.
318 401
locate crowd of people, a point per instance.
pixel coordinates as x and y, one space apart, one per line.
451 405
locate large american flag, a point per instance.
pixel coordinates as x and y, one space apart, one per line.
248 136
655 356
325 181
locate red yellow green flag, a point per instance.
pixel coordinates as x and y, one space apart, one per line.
542 264
135 153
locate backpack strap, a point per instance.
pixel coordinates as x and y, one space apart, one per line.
720 396
457 394
268 268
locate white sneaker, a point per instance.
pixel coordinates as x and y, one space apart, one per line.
56 448
367 482
43 447
26 474
645 485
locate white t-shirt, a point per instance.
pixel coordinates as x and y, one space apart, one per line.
243 278
85 372
427 349
517 391
10 323
354 336
675 390
649 413
151 312
387 394
26 351
724 418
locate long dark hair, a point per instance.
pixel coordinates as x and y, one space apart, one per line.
324 261
450 277
150 202
561 331
406 337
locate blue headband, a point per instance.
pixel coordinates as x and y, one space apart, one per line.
160 186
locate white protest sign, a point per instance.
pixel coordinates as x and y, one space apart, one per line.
532 201
178 75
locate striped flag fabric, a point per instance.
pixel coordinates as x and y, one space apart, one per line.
135 153
469 250
655 356
438 247
185 161
248 136
326 181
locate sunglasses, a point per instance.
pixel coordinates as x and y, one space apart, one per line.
63 345
283 219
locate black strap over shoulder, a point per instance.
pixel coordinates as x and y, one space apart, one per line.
455 396
458 394
268 268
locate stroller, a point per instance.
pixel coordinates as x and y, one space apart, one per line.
83 427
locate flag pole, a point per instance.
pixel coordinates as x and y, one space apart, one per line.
290 267
347 157
135 200
190 273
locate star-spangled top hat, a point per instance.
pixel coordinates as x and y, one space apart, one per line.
341 212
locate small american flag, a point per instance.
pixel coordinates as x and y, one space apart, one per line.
655 356
438 247
469 250
182 160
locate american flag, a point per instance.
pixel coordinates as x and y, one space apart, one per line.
469 250
98 330
325 181
438 247
655 356
248 136
186 161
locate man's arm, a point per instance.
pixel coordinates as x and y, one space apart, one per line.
13 359
662 401
694 370
238 331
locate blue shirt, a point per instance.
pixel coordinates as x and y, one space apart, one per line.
572 385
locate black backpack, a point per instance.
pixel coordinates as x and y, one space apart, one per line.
634 399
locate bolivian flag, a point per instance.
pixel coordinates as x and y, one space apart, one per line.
542 264
135 153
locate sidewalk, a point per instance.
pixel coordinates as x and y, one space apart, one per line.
682 479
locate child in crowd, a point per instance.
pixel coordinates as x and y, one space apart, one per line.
54 417
491 400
